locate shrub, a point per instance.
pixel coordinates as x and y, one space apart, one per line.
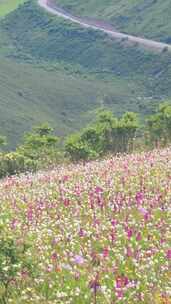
13 163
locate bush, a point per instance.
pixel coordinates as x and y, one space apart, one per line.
107 135
79 150
13 163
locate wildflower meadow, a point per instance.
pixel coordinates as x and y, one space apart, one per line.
91 233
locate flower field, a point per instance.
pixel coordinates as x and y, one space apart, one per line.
94 233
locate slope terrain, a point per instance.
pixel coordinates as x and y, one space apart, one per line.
81 226
53 70
145 43
32 94
7 6
146 18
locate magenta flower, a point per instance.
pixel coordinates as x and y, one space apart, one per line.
121 282
105 252
168 254
139 197
129 252
129 233
138 237
98 190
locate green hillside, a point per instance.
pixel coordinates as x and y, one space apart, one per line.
52 70
149 18
6 6
31 94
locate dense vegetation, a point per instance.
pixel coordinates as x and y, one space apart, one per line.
145 18
41 148
88 233
95 226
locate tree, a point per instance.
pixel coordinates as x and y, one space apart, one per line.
128 126
40 142
107 134
79 149
159 125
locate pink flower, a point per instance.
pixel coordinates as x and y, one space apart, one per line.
168 254
129 252
121 282
65 178
30 214
139 197
98 190
113 222
105 252
129 232
66 202
138 237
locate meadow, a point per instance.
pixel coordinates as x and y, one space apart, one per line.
97 232
7 6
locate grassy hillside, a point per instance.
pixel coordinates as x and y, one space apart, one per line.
148 18
80 227
53 70
6 6
34 34
30 94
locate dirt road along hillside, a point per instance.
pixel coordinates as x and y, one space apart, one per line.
129 40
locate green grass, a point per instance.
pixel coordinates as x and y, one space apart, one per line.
147 18
31 94
7 6
52 70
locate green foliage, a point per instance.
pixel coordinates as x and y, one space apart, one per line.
13 262
78 149
159 125
39 142
39 150
107 135
15 162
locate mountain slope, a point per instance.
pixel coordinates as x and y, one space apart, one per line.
52 70
31 94
147 18
6 6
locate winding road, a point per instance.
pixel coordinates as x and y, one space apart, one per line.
129 39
